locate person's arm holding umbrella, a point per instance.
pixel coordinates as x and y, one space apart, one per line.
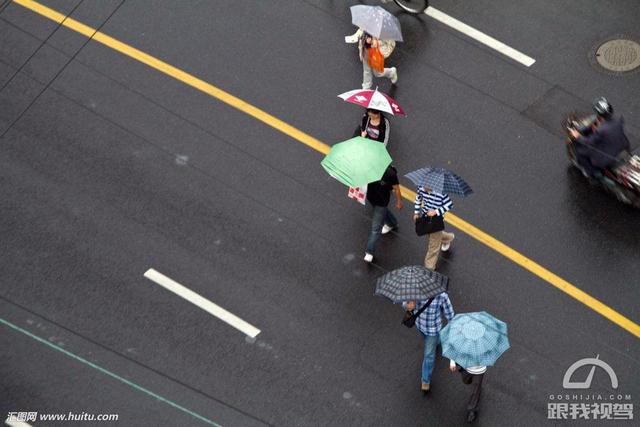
363 125
395 183
417 205
446 205
353 38
447 308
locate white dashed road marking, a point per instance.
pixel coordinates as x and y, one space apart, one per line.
203 303
17 424
480 36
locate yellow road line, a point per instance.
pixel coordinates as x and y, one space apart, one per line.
317 145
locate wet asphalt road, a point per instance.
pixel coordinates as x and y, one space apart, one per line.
110 168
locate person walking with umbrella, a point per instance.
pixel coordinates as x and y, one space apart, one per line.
432 201
378 30
374 125
382 221
429 323
385 47
429 203
474 341
468 376
416 286
360 161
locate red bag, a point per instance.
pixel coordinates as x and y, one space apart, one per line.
375 59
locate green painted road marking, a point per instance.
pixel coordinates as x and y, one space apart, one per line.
109 373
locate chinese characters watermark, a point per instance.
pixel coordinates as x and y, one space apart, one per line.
579 406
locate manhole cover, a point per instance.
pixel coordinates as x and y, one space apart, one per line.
619 55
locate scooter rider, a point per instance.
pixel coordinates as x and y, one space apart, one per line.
600 149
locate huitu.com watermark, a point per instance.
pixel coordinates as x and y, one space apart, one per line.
25 417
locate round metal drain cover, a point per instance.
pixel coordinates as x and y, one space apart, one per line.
619 55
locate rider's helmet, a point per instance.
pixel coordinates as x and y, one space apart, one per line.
602 107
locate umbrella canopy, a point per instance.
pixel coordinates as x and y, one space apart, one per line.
474 339
368 98
411 283
440 180
376 21
357 161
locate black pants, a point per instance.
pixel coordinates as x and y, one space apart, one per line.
468 378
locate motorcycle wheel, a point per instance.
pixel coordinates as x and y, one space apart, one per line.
413 6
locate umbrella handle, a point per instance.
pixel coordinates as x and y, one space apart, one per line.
367 124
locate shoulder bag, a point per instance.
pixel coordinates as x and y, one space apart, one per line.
410 319
429 224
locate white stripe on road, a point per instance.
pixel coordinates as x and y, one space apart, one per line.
202 302
17 424
480 36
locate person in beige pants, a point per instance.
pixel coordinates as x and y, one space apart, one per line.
366 41
430 203
436 242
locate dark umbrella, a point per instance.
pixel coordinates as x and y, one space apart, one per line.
440 180
411 283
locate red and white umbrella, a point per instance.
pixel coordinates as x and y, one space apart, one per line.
373 99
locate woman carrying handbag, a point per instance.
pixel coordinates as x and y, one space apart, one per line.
428 214
382 47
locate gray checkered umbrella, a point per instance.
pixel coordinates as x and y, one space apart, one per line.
411 283
440 180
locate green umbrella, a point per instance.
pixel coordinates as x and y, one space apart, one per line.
357 161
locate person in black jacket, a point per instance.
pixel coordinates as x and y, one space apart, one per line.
374 125
379 196
600 149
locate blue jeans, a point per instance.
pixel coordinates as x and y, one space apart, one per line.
381 215
430 344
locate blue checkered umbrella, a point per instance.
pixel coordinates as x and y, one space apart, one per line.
411 283
474 339
440 180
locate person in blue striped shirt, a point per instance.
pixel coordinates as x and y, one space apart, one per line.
430 203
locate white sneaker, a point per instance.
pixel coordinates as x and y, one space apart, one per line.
386 229
368 257
394 75
445 246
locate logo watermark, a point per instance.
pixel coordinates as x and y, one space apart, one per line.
24 417
580 406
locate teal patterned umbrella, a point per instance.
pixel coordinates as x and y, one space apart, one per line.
474 339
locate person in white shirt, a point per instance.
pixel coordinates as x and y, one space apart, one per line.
366 41
468 376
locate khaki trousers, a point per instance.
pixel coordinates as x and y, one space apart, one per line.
434 242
